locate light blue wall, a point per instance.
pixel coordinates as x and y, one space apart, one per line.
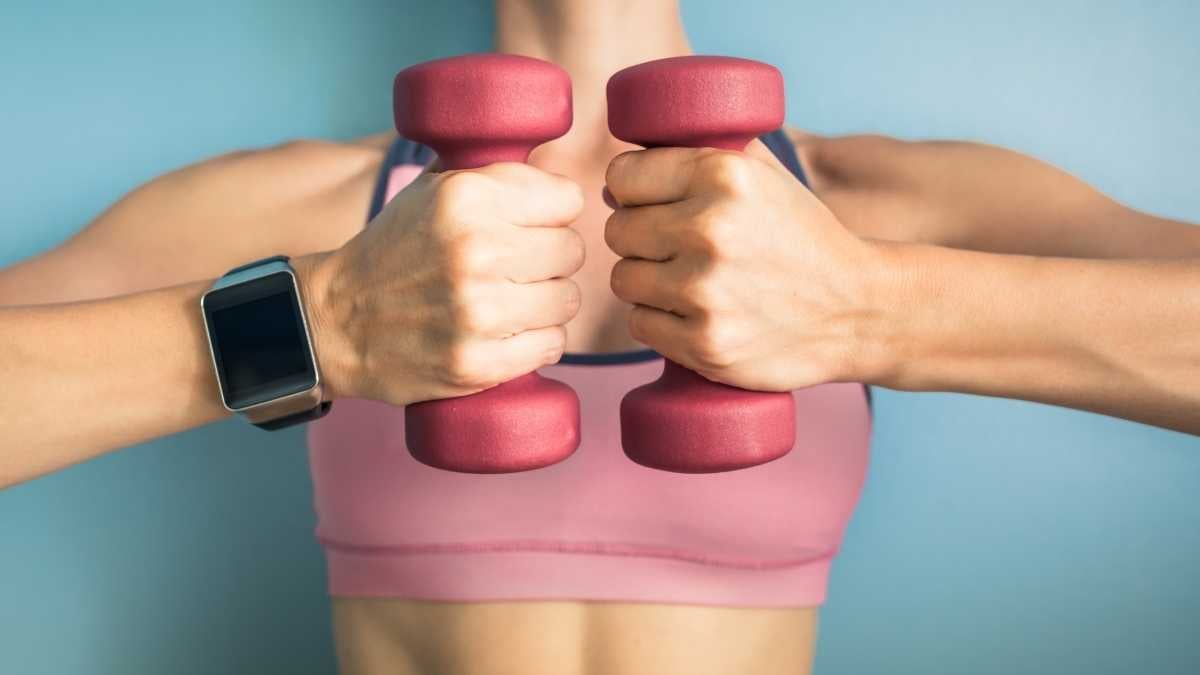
994 537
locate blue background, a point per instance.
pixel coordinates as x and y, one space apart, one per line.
994 536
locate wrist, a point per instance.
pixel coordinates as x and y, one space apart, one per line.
334 351
886 305
943 318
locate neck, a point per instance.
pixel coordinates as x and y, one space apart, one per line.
591 40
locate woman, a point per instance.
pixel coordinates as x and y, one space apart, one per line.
720 606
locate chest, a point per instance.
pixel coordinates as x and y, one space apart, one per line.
600 325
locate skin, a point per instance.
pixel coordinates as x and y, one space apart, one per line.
737 272
822 309
978 197
401 337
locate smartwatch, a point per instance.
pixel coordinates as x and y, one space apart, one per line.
261 348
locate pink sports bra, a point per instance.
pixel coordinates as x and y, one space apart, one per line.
596 526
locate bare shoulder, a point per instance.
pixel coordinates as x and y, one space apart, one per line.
867 180
380 141
198 221
310 161
322 187
799 137
877 156
295 198
831 160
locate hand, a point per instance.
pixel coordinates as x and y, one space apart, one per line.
736 271
458 285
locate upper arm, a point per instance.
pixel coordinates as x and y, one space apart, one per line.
860 179
199 221
981 197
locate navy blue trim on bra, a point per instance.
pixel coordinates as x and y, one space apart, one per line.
781 146
610 359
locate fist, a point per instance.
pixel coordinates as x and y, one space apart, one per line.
734 269
458 285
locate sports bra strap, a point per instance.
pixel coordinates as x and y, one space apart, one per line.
781 146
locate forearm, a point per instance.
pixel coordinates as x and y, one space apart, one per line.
85 378
1115 337
82 379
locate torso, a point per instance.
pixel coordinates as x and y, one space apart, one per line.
312 196
376 635
569 638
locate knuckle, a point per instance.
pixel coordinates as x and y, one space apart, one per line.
558 342
504 169
458 305
468 313
446 209
703 293
612 226
464 368
574 298
454 365
619 166
552 349
479 318
469 254
574 250
713 345
619 278
572 194
455 190
729 172
715 232
464 184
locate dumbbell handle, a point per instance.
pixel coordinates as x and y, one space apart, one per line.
476 110
684 422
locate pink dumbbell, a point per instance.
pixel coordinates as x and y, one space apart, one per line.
475 110
684 422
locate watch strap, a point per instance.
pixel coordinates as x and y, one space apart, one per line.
256 263
297 418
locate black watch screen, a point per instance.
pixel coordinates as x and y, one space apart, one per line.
259 342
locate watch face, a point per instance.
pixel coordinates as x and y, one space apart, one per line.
259 343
